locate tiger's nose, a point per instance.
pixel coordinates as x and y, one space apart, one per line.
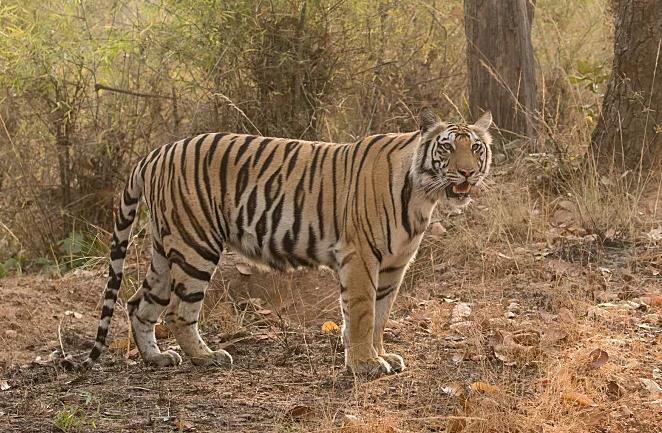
467 173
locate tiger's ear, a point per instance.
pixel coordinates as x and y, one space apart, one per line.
484 122
428 119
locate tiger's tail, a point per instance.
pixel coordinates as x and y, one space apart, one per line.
124 218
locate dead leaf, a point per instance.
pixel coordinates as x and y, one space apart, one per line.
300 411
120 344
527 337
510 348
453 390
483 387
578 398
4 385
597 359
75 314
552 336
330 326
653 300
460 312
463 328
182 425
566 315
244 268
264 311
10 333
651 386
614 390
655 234
161 331
436 229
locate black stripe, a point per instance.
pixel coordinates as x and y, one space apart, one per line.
260 148
390 269
267 162
242 182
313 167
251 205
312 244
384 292
405 196
153 299
175 257
293 160
244 146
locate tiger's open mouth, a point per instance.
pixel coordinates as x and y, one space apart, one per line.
458 191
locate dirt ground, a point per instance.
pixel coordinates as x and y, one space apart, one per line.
498 335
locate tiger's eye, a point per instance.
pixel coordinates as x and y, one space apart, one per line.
475 147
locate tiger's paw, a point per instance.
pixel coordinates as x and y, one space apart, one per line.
395 361
169 358
371 368
218 358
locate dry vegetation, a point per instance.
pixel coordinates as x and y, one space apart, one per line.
537 310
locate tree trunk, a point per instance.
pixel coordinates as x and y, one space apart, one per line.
501 63
628 135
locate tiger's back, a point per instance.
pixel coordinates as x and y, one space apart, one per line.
283 203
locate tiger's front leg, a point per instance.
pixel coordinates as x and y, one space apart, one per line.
358 278
388 286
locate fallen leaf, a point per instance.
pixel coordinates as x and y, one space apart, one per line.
436 229
547 317
76 314
161 331
264 311
460 312
566 315
597 359
578 398
483 387
244 268
655 234
527 337
453 390
300 411
349 420
119 344
653 300
463 328
614 390
651 386
553 336
330 326
10 333
182 425
4 385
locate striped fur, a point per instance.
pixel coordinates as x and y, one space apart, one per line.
358 208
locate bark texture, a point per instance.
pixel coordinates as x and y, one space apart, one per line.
629 132
501 63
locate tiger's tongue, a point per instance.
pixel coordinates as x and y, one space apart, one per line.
462 188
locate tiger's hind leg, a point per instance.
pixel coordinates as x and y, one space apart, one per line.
190 279
145 307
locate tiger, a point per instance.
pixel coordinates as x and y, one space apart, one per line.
358 208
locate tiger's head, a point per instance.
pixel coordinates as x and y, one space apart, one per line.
453 158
